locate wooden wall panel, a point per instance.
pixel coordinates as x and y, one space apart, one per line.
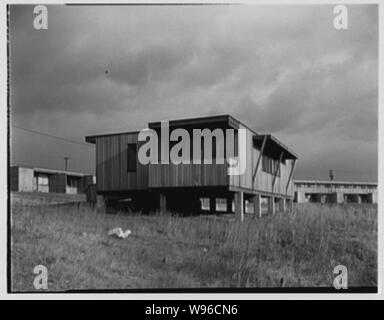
111 164
112 175
14 179
187 175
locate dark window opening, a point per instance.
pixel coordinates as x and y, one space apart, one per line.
236 144
131 157
72 181
270 165
234 151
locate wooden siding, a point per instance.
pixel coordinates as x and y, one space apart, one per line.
111 164
263 180
14 178
112 173
187 175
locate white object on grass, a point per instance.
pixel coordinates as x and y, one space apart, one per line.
119 233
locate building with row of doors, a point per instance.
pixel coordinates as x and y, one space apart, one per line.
312 191
32 179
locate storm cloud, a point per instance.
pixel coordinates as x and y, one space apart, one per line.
283 70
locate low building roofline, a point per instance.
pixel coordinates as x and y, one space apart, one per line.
334 182
92 138
53 171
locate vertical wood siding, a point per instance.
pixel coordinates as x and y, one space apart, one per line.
112 174
187 175
111 164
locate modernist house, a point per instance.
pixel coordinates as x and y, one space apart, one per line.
25 179
196 187
309 191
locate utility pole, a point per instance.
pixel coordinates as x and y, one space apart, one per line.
66 163
331 175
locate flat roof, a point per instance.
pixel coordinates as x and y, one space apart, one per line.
92 138
335 182
46 170
231 121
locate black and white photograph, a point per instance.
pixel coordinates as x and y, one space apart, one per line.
193 147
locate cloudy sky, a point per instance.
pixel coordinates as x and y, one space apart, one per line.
283 70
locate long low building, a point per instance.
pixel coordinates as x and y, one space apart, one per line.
335 192
24 179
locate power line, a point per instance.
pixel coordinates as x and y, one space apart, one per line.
41 155
52 136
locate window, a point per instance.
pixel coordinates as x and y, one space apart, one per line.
236 144
270 165
267 164
72 181
131 157
205 205
221 204
72 184
41 182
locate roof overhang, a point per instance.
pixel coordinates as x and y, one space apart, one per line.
54 171
92 139
274 147
198 123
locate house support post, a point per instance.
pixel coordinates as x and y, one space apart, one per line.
256 205
372 198
239 205
212 205
289 204
163 203
271 205
339 197
229 204
282 204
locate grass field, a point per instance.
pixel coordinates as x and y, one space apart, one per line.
297 249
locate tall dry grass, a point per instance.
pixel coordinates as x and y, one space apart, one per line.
296 249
